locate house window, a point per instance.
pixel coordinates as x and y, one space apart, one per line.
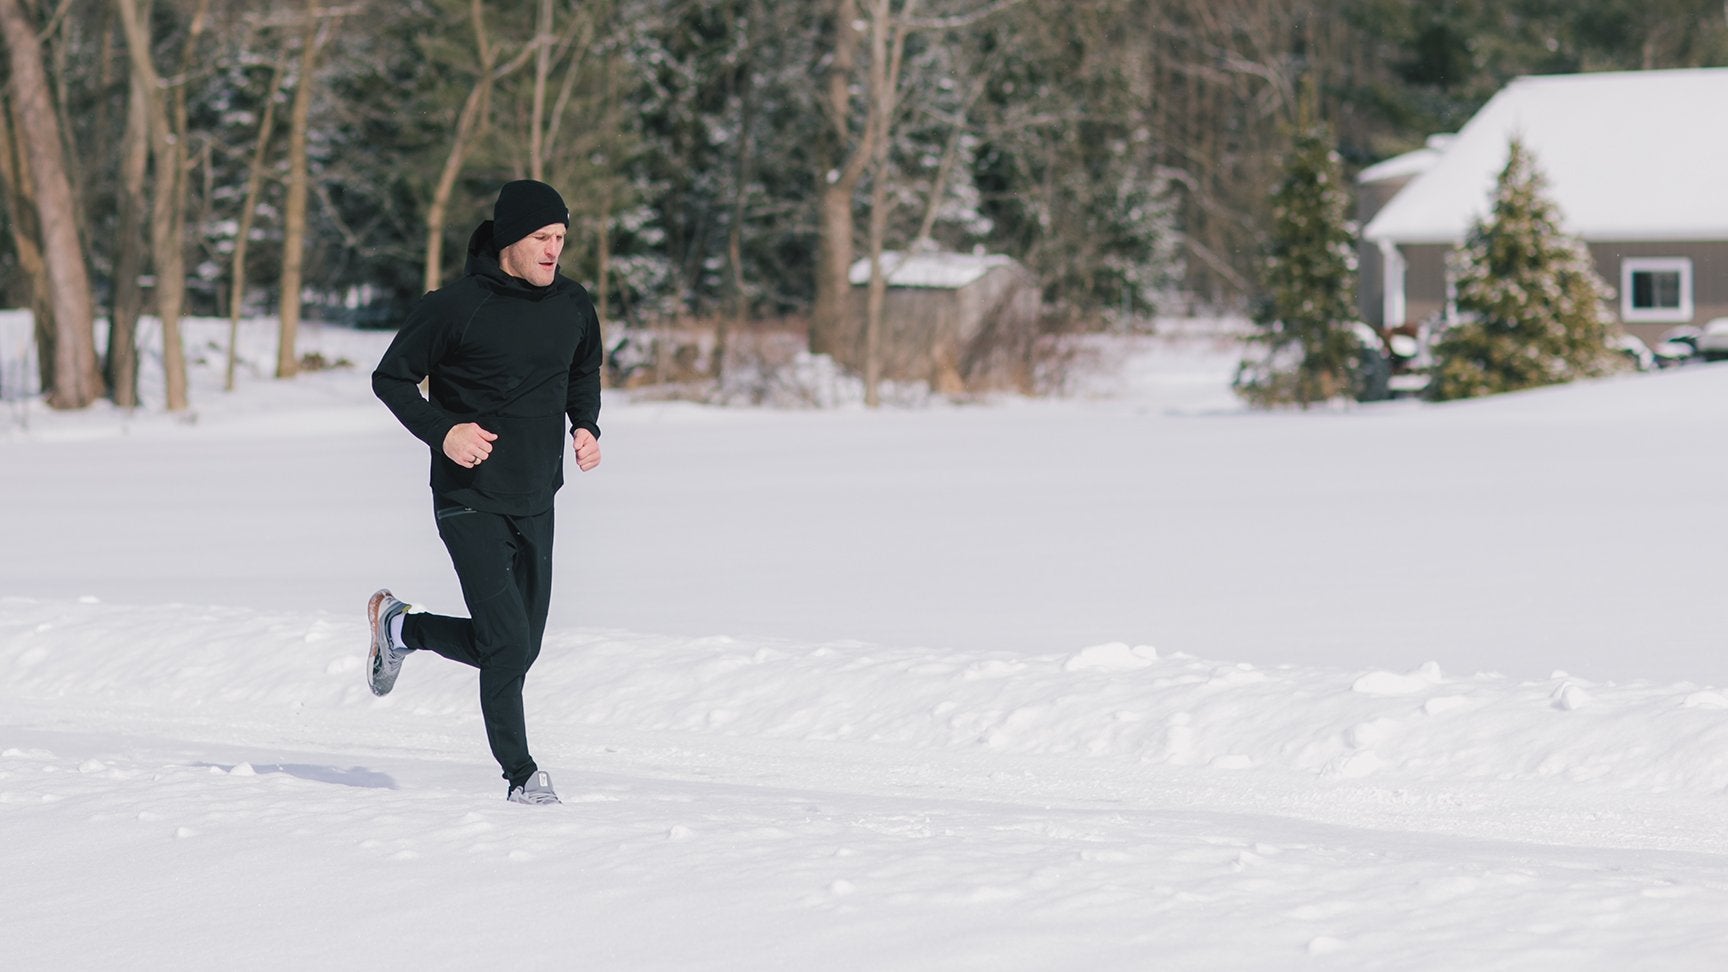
1656 290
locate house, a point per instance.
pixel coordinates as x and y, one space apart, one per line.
1375 187
938 308
1633 161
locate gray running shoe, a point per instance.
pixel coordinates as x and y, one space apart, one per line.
538 789
384 657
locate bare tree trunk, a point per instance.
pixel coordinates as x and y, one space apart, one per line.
577 40
62 74
945 168
294 206
744 174
603 252
248 211
887 47
473 109
542 73
21 204
839 181
603 219
170 221
167 217
469 123
77 383
129 250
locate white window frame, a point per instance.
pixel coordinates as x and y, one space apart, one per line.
1656 315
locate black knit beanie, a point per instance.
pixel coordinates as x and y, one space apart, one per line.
523 207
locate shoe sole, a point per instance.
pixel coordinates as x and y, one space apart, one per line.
373 607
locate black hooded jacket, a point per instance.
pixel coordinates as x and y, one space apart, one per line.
518 359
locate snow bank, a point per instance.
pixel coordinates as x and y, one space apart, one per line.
1110 702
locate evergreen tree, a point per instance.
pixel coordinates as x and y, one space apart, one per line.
1529 301
1307 349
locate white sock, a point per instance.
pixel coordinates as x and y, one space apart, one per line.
396 630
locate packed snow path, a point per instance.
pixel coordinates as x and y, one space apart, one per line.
733 805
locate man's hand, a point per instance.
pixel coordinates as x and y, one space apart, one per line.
587 449
468 444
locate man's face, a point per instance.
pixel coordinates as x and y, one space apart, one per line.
534 257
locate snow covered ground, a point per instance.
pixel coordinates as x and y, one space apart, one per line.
1136 680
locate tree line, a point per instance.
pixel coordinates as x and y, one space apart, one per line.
724 160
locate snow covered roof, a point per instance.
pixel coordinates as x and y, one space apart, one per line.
1633 155
946 271
1409 164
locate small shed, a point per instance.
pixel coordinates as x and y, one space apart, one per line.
940 306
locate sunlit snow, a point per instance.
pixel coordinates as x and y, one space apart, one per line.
1131 680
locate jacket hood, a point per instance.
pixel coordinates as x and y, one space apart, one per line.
483 264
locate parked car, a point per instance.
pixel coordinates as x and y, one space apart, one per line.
1713 339
1676 346
1634 350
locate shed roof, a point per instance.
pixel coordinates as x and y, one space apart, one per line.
1628 155
943 271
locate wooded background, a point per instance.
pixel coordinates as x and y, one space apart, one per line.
724 160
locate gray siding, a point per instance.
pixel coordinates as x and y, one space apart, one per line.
1709 278
1424 282
1425 279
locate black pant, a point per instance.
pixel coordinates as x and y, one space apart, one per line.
504 564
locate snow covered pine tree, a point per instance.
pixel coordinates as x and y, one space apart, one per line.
1530 305
1308 348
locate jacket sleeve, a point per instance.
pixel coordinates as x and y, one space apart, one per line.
583 405
421 342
